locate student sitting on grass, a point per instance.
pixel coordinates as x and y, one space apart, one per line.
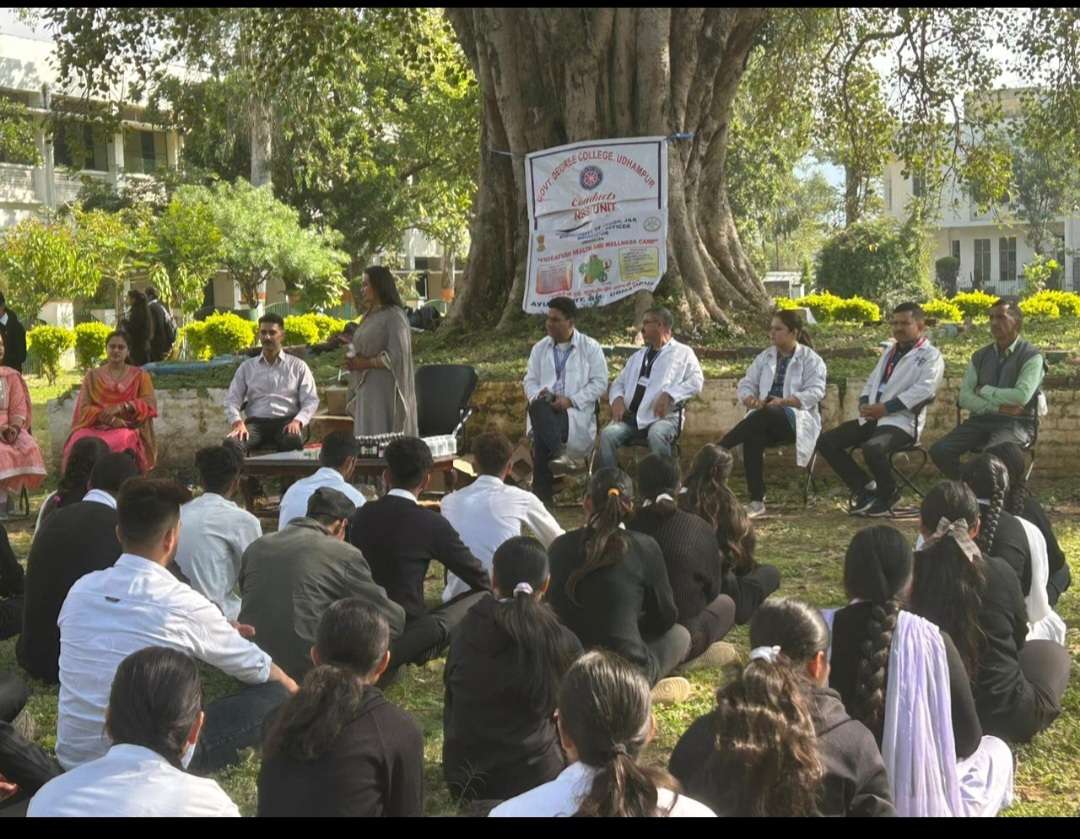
604 721
339 748
780 742
502 678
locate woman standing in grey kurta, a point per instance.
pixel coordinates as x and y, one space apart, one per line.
381 387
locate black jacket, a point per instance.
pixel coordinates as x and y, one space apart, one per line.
850 630
159 341
71 543
400 539
1011 545
1034 513
855 784
619 606
495 746
375 768
14 334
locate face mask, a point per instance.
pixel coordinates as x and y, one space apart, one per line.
189 753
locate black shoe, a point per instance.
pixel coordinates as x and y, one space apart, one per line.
863 502
881 509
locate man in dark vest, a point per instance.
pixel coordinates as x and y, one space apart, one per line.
14 335
1000 389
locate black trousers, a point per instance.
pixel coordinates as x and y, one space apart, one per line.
21 761
1045 665
668 651
11 614
427 636
756 432
268 432
710 625
876 443
550 429
1058 582
978 432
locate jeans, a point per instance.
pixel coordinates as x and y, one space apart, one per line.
268 432
977 432
426 636
668 651
234 723
550 429
756 432
660 437
876 443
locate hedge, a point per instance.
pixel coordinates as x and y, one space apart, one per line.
827 307
974 304
300 329
220 334
90 341
944 310
48 343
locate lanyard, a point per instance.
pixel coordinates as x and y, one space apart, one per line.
561 366
894 358
647 362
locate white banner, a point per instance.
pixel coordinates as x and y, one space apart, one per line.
597 221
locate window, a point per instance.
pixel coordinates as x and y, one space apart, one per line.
982 263
144 151
80 145
918 184
1007 264
956 249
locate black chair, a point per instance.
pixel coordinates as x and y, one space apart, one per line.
1032 415
443 392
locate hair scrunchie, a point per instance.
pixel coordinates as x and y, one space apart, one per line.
768 654
614 491
523 588
958 530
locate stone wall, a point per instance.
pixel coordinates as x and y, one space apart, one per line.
189 419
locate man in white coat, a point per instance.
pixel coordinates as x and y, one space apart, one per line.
660 376
906 376
567 373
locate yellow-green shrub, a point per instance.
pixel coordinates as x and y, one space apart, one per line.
90 341
1068 302
326 324
855 310
820 305
195 336
227 334
942 309
974 304
300 329
48 343
1036 309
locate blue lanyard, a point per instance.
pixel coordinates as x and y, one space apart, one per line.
560 366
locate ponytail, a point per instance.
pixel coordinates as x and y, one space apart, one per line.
611 493
988 478
708 495
330 697
1012 456
658 484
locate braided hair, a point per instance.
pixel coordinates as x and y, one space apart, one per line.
611 493
709 496
877 567
988 478
1013 457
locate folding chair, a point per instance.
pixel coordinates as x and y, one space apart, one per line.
443 392
1030 446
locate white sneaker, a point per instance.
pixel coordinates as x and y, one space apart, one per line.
671 691
566 465
719 654
755 509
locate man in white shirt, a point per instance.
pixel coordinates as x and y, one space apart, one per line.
337 461
275 390
567 374
657 379
488 512
138 603
214 531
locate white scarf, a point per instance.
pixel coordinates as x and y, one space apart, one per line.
1043 622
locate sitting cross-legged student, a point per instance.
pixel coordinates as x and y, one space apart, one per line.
138 603
339 748
692 557
153 722
12 585
24 766
74 541
706 494
289 578
400 539
903 678
609 585
976 598
75 479
780 742
337 463
502 678
605 720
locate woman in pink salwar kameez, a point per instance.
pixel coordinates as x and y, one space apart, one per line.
116 403
21 464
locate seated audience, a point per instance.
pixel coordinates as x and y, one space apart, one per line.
1000 532
12 587
400 539
339 748
609 585
153 723
337 463
1018 684
24 766
75 540
502 679
488 512
215 531
567 374
655 394
117 404
779 742
21 463
137 603
903 678
692 557
275 391
1023 504
706 494
782 392
288 580
75 480
906 376
1000 390
604 721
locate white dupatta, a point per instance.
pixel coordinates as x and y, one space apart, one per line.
1043 622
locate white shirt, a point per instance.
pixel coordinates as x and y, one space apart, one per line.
295 500
100 496
112 613
403 493
285 388
487 513
130 781
675 371
563 796
214 532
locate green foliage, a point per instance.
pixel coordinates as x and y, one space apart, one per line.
90 341
300 329
974 304
1035 308
119 243
226 334
788 303
1068 302
48 343
943 310
311 266
827 307
1038 274
326 325
41 262
947 269
194 334
18 134
878 259
856 310
189 248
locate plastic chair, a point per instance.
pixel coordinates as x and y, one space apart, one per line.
443 392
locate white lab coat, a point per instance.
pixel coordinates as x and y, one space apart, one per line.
675 371
586 380
805 380
915 379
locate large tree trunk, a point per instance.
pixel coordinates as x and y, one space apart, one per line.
554 76
261 143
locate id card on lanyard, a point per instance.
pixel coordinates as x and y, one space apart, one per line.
646 367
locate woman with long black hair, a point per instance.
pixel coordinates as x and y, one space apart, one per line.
139 327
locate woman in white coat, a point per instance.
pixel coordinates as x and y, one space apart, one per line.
781 392
567 374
